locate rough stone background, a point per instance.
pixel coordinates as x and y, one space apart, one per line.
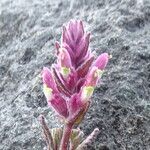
121 105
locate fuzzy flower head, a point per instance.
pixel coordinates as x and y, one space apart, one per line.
69 84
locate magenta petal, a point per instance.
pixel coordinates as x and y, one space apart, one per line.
75 41
66 38
83 46
84 68
59 105
102 61
74 105
72 28
64 58
76 29
79 84
71 81
60 83
71 53
48 79
80 31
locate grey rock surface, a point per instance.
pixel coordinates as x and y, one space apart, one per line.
121 105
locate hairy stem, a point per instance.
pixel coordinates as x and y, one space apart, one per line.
47 134
66 136
88 140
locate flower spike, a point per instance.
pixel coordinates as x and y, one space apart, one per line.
69 85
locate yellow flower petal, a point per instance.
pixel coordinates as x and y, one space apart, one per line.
47 91
87 92
65 71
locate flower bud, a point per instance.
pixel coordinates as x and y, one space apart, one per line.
102 61
48 80
64 58
59 105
